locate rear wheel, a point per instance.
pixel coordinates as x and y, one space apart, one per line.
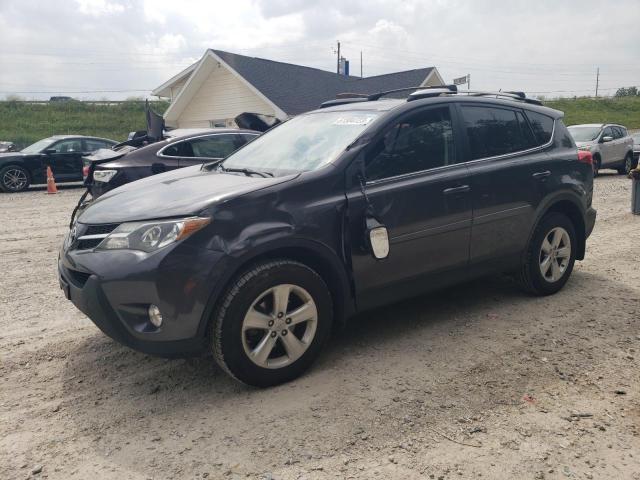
627 166
272 323
550 257
14 178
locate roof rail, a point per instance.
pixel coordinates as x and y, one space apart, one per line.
426 92
507 94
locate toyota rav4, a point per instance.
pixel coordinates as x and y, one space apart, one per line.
360 203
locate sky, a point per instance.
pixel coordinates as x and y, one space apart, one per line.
116 49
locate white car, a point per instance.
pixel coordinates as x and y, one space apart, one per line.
610 145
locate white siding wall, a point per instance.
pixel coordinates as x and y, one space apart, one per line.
176 87
221 96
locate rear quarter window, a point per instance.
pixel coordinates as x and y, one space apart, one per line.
542 126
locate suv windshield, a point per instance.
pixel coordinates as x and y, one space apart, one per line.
304 143
584 134
38 146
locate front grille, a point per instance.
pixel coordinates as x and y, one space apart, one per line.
87 244
83 243
77 277
100 229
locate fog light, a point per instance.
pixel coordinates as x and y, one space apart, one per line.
155 317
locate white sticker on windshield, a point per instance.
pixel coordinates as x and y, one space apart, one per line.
356 120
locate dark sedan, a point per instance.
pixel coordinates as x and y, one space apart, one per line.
106 170
63 153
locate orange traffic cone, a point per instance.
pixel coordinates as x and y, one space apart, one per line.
51 182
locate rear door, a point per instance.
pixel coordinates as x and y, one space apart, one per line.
619 141
171 156
66 161
213 147
417 189
508 167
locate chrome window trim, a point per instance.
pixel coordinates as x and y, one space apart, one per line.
477 160
160 154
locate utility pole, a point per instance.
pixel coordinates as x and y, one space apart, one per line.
338 62
360 63
468 81
597 80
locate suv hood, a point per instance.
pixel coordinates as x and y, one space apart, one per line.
186 191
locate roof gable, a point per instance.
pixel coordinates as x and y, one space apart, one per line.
296 89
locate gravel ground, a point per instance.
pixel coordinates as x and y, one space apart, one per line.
479 381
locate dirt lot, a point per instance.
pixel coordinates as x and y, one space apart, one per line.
474 382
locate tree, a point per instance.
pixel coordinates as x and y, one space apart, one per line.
627 92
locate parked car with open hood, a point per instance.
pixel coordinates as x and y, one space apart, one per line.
610 145
352 206
108 169
63 153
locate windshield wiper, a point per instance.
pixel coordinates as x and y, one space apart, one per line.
247 171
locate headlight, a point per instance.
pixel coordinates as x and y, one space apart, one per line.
151 236
585 148
103 175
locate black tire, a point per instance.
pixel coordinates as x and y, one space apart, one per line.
627 166
228 339
530 276
596 166
6 183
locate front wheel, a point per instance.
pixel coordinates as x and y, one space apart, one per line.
550 257
14 178
271 323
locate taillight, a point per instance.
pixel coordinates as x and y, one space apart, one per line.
585 157
85 171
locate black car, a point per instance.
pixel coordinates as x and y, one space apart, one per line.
63 153
335 211
108 169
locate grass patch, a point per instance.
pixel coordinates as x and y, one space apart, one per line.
24 123
624 110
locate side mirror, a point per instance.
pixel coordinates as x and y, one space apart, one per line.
606 139
377 238
50 151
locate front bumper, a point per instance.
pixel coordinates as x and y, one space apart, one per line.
115 288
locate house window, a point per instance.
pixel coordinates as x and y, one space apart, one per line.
222 123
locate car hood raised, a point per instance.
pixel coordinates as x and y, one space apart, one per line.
186 191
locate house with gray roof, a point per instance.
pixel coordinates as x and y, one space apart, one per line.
221 85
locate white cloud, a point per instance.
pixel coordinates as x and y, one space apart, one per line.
98 8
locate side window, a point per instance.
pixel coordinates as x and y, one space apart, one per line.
218 146
91 145
68 146
420 142
617 132
607 132
493 131
542 126
178 149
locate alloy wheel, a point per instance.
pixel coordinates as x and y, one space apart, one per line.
14 179
555 254
279 326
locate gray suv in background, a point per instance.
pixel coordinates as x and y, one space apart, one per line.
610 145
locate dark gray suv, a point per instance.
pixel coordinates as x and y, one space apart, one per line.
360 203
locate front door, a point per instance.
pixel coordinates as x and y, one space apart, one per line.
416 188
65 159
608 149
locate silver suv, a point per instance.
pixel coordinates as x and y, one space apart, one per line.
610 145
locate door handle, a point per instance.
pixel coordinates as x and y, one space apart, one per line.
454 190
544 174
